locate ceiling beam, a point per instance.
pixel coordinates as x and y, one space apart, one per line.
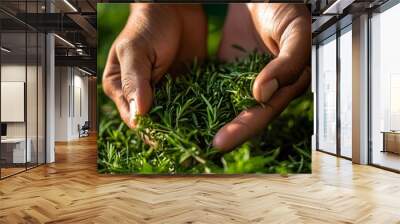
86 26
77 61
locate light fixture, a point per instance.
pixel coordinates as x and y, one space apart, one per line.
64 40
80 51
5 50
84 71
70 5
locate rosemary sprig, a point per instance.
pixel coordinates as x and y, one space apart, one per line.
187 113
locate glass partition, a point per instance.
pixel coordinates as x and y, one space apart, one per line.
22 101
31 97
14 151
34 43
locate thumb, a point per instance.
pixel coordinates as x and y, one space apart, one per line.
135 78
280 72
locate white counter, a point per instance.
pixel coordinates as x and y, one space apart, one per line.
19 155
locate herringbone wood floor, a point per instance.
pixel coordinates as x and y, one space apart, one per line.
71 191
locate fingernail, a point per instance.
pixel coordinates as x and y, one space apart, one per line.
269 89
132 110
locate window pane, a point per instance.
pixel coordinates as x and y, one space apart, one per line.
385 114
327 96
345 94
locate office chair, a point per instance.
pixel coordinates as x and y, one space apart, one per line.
84 130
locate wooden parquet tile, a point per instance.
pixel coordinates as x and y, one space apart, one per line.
71 191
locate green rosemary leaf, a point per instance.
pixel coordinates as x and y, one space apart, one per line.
187 113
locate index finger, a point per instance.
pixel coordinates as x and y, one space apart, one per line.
112 86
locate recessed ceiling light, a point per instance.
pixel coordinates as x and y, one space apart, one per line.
5 49
64 40
71 6
337 7
84 71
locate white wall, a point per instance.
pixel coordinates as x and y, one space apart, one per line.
70 83
9 73
12 73
16 73
61 103
33 126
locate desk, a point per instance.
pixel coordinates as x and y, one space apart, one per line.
13 150
391 141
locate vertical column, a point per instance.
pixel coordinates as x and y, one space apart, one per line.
314 91
360 90
50 92
338 76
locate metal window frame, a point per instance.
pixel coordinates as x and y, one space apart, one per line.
339 32
317 91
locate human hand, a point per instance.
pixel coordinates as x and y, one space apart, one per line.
156 38
284 30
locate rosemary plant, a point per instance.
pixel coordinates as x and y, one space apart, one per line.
189 110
